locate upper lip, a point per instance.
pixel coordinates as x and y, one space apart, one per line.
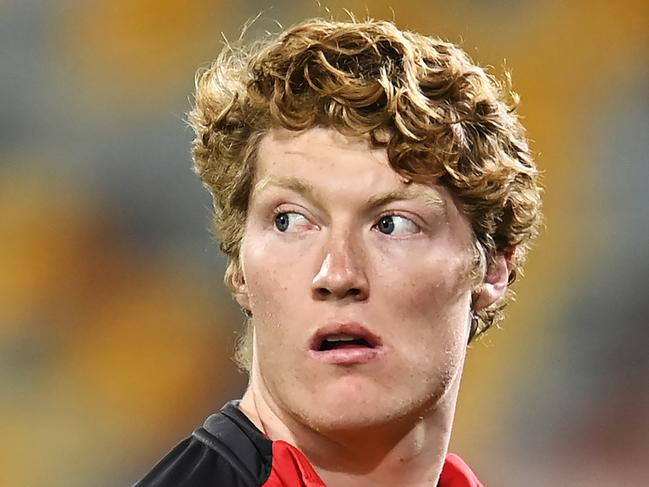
349 328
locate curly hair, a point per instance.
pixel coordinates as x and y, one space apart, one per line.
440 117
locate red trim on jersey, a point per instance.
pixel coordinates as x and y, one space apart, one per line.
456 473
292 469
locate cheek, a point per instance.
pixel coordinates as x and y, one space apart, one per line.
271 280
265 291
433 305
436 289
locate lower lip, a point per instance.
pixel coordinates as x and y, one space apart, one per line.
346 355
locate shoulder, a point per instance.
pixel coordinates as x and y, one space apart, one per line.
226 451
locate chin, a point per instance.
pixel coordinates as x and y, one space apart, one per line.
355 411
347 420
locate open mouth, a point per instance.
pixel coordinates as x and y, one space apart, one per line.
343 341
345 344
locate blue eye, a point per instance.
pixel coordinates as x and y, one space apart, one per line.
396 225
281 222
287 220
386 225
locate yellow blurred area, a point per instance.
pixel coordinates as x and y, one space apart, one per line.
102 334
41 244
133 52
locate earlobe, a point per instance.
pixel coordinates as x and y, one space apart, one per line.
495 283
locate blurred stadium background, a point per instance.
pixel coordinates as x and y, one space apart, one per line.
115 329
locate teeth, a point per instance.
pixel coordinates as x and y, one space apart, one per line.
341 338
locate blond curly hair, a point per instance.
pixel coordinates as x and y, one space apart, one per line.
440 117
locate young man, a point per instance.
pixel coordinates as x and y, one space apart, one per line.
375 196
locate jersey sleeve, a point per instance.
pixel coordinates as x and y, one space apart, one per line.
193 464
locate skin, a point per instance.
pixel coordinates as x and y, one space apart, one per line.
334 235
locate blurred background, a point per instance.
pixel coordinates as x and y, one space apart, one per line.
116 331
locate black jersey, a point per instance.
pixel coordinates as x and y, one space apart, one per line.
229 451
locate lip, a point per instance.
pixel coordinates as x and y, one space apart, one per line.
346 356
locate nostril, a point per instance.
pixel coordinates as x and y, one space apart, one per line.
323 292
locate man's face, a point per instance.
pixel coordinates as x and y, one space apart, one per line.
358 283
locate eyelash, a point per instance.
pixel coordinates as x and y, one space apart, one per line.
280 211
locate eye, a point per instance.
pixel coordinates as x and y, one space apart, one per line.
290 221
396 225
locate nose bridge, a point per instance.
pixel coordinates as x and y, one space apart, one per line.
342 271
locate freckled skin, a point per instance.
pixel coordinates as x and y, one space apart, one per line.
333 264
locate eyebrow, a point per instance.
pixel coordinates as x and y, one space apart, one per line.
429 195
290 183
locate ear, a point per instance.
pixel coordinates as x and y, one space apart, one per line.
239 287
495 282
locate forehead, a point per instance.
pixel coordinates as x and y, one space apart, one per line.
320 158
322 155
317 141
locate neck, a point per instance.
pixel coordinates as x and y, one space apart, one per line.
410 451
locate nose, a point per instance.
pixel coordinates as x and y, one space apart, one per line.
342 271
